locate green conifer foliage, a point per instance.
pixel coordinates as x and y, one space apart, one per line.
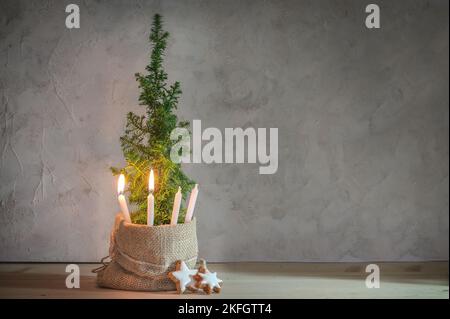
146 142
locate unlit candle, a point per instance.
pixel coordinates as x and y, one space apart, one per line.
176 207
151 200
191 205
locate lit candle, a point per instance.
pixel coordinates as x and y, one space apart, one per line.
176 207
121 198
151 200
191 205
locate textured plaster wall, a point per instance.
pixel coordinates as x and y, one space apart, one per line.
363 118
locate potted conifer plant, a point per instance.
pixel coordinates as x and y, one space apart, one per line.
142 255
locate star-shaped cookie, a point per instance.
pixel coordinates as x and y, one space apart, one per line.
210 282
182 276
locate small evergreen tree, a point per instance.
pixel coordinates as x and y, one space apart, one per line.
146 142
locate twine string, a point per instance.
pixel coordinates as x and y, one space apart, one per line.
103 266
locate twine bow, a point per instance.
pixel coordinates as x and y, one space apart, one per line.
103 266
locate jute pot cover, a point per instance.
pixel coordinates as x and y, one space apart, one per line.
142 256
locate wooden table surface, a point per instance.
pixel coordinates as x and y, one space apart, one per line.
245 280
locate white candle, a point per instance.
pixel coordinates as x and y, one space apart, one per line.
191 205
151 200
121 198
176 207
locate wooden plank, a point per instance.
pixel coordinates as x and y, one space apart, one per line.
246 280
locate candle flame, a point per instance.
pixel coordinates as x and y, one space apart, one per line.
121 184
151 181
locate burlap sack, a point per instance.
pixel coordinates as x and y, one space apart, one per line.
142 256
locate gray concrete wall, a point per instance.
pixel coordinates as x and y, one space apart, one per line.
363 118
